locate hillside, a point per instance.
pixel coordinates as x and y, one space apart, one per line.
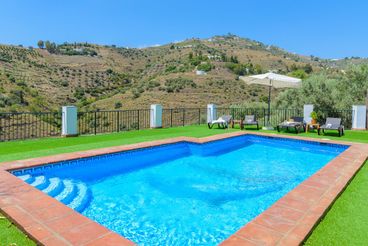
109 77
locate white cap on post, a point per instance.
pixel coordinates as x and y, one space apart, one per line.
211 113
359 117
69 121
156 116
308 109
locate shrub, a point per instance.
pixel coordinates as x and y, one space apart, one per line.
118 105
299 73
205 67
136 93
79 93
152 84
241 69
178 84
64 83
170 68
314 115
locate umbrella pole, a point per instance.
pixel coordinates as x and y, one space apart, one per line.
269 104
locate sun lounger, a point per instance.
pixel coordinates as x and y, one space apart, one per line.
295 122
222 122
332 124
250 120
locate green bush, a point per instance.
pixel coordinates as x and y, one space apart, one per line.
118 105
178 84
136 93
205 67
299 73
170 68
79 93
242 69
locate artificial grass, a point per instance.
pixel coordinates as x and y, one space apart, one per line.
11 235
347 221
18 150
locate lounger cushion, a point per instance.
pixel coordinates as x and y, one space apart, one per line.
250 120
225 119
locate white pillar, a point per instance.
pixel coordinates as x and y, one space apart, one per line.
359 117
308 109
69 121
211 113
156 116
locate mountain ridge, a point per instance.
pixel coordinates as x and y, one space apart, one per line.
109 77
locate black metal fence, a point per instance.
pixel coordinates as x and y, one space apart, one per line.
279 115
276 115
183 117
113 121
14 126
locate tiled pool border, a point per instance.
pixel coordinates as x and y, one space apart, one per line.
287 222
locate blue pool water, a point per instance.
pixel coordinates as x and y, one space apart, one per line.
184 193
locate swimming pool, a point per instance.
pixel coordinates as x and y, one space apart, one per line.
183 193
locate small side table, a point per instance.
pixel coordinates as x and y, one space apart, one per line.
240 122
314 126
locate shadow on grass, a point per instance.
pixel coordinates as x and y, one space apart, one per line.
330 134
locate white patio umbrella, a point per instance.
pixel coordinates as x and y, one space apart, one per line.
271 80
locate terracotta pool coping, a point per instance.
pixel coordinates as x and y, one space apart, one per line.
286 222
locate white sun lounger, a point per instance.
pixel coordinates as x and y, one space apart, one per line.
222 122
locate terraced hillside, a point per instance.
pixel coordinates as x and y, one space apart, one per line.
108 77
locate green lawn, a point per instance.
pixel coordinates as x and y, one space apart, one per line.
18 150
346 222
11 235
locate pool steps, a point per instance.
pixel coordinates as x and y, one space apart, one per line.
41 182
74 194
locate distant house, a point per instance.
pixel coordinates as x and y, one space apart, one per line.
214 57
200 72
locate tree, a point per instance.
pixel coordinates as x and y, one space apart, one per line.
299 73
328 91
40 44
51 47
118 105
190 55
258 69
205 67
234 59
308 68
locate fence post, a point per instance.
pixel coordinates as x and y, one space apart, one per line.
211 113
285 114
118 121
308 109
156 116
359 117
69 121
95 122
138 119
199 116
171 114
184 117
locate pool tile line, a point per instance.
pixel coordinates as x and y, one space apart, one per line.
286 222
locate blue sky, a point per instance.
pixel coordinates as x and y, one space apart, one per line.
326 28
